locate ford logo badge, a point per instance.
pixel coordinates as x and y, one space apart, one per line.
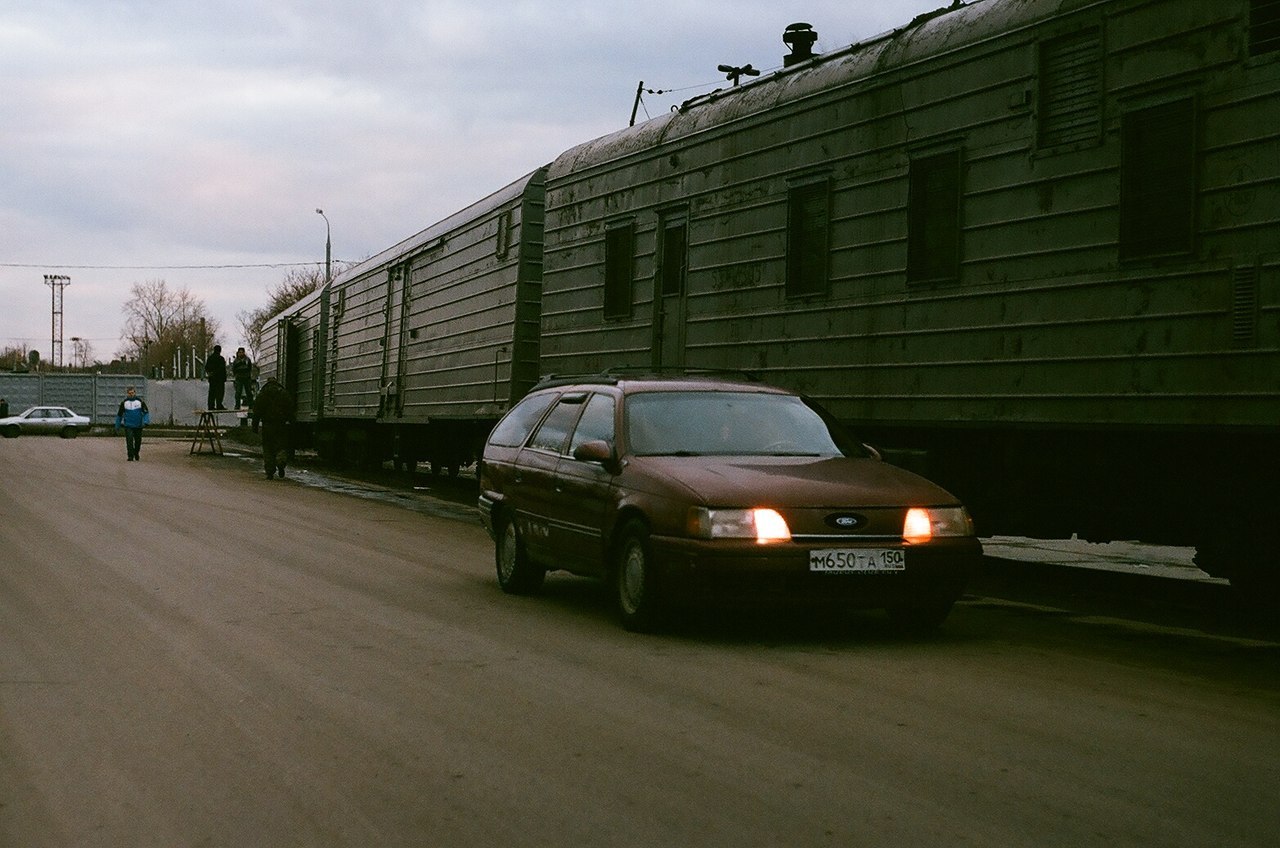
845 521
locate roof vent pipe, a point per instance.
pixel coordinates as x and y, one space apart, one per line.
799 38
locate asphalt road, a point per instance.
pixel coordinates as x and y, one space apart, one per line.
193 655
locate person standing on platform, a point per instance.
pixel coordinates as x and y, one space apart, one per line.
273 407
242 375
4 408
132 416
215 371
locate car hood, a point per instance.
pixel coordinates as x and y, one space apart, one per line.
793 481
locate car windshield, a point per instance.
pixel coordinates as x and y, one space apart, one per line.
723 423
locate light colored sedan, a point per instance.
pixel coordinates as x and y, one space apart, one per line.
49 420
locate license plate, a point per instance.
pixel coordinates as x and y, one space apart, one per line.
858 561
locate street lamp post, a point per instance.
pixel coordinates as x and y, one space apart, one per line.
328 248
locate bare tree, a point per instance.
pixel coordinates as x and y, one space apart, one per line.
297 284
160 322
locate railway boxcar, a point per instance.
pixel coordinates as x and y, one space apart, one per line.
1029 246
413 354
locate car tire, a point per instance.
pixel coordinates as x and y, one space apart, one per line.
68 433
635 581
922 617
11 432
516 574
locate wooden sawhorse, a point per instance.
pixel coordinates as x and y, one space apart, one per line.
207 431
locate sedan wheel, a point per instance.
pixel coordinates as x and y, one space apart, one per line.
516 574
68 432
11 432
635 584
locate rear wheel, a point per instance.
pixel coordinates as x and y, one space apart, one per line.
68 432
516 574
635 580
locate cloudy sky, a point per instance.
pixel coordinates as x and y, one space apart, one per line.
192 142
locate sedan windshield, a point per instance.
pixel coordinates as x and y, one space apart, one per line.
731 424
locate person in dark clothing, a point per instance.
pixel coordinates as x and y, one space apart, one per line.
215 371
132 416
273 407
4 408
242 376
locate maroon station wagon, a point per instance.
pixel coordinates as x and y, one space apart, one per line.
704 488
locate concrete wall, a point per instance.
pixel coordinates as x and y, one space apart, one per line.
171 402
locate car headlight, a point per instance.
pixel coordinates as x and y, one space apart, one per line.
925 523
762 524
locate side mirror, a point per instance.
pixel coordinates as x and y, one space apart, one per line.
875 454
597 450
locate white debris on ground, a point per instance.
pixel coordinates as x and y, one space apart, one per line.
1133 557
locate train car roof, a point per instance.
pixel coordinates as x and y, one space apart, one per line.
924 37
424 238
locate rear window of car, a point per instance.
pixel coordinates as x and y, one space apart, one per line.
516 425
723 423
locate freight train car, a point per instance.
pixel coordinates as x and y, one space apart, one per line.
1030 247
413 354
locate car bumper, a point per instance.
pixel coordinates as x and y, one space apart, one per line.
744 572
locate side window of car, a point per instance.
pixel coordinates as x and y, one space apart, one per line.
554 431
596 422
515 427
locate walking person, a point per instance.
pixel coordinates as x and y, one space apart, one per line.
215 371
132 416
242 376
273 407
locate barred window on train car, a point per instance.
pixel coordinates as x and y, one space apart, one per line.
808 238
502 241
933 218
1158 181
619 266
1070 89
1264 27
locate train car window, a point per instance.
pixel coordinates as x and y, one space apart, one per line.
933 218
619 265
1264 27
502 243
1070 87
675 238
1157 180
808 236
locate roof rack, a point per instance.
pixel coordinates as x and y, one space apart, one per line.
610 376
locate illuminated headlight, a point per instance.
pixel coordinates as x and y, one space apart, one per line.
923 524
763 525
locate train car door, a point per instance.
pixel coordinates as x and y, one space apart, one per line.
669 291
287 348
395 336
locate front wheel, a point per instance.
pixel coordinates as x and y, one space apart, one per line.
635 580
516 574
11 432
